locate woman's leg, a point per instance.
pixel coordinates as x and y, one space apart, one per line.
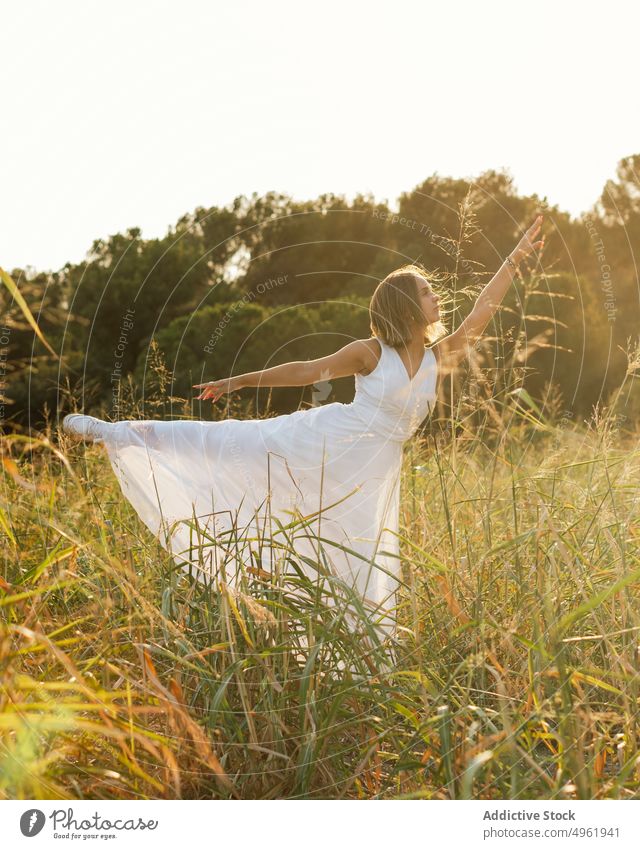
86 427
91 429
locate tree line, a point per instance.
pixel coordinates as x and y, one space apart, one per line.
267 279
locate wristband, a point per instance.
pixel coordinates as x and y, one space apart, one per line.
510 262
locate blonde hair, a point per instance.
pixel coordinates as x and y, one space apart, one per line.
395 307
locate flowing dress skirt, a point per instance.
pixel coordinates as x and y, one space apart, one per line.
194 482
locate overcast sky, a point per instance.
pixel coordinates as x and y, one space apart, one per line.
120 114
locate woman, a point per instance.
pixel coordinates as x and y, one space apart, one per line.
336 465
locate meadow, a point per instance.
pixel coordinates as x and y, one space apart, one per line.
515 670
517 655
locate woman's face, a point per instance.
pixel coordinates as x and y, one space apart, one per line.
428 300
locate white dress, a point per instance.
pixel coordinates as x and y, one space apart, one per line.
183 475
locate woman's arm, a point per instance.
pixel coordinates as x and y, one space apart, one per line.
353 358
454 347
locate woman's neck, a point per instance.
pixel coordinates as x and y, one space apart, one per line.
416 343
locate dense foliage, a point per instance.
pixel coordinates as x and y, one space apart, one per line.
269 279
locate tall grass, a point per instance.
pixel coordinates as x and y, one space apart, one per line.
515 664
516 672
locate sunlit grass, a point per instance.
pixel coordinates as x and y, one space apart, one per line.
514 670
517 663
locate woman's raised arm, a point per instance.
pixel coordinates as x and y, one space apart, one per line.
353 358
454 347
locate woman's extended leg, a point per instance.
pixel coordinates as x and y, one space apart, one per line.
86 427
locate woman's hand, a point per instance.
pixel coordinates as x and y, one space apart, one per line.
214 389
526 245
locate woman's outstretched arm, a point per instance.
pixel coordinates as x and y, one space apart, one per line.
451 349
353 358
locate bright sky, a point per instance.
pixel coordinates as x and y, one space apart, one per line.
119 114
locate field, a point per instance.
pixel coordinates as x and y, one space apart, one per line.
517 656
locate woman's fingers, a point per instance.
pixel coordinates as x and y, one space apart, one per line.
211 393
534 229
537 224
527 244
213 389
208 390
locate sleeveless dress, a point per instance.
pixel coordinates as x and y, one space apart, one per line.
192 482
